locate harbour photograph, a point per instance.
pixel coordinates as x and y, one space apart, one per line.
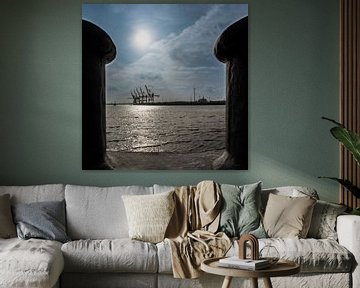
165 100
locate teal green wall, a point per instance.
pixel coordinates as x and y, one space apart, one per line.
293 80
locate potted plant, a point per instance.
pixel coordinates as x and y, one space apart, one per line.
351 141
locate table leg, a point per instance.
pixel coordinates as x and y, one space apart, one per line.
254 282
267 283
227 282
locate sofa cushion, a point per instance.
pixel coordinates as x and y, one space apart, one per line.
36 193
287 216
164 257
162 188
313 255
98 213
43 220
240 210
291 191
323 222
117 255
149 215
7 227
30 263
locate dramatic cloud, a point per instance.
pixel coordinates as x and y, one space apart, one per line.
177 62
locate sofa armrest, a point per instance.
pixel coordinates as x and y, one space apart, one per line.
348 230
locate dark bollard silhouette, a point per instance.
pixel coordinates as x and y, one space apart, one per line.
97 50
231 48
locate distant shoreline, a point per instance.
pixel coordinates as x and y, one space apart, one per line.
173 103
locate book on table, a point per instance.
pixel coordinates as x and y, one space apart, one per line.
249 264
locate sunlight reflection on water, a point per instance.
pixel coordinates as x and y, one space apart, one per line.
180 129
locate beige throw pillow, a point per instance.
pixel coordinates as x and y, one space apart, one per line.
7 226
149 215
288 217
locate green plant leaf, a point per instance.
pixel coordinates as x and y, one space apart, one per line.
348 138
355 211
347 184
333 121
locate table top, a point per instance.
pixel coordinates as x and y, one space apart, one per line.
281 268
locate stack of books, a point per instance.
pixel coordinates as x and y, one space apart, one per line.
248 264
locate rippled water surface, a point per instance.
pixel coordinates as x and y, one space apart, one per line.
179 129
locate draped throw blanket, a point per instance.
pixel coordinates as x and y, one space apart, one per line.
191 231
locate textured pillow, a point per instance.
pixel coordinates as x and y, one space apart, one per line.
44 220
149 215
323 222
288 217
7 227
240 210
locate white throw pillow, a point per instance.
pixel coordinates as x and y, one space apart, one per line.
149 215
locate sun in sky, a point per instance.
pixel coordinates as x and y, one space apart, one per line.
142 38
165 46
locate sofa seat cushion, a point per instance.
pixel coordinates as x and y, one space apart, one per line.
30 263
313 255
164 257
115 255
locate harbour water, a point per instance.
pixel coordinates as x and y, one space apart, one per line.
176 130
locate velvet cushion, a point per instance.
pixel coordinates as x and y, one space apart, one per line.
240 213
43 220
149 215
288 217
323 222
7 226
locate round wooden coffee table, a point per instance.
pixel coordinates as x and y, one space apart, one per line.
281 268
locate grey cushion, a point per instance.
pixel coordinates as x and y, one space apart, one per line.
44 220
240 213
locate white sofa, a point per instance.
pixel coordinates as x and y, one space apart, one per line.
101 254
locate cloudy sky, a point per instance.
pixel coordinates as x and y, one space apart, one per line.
168 47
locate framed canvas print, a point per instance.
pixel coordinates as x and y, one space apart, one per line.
165 86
